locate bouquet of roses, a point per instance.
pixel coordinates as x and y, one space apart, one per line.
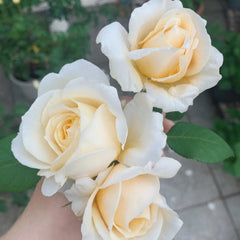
107 158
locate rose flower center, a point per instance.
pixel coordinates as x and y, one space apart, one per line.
168 48
65 132
61 130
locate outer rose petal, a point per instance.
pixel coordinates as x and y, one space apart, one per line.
83 187
50 186
114 36
145 136
89 164
69 72
88 229
33 131
176 98
164 168
202 52
107 201
82 190
25 157
209 76
171 224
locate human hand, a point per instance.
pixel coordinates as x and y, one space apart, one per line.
45 218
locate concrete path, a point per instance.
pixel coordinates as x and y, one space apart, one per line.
206 198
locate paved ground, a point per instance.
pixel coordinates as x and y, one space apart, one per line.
207 199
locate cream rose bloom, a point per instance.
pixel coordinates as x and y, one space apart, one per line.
75 128
167 51
124 203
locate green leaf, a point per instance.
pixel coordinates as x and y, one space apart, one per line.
3 205
159 110
198 143
14 177
175 116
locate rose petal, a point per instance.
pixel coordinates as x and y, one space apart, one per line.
160 63
107 201
202 52
114 36
82 190
89 165
175 98
65 157
79 68
79 194
209 76
25 157
99 223
33 132
171 222
133 200
180 72
100 133
165 167
145 136
45 173
154 231
50 186
88 228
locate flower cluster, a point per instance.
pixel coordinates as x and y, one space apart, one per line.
76 130
78 133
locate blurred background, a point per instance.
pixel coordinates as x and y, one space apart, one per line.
38 37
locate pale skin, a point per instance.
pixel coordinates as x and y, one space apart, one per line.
46 218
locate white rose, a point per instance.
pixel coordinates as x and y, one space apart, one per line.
124 203
167 51
75 128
